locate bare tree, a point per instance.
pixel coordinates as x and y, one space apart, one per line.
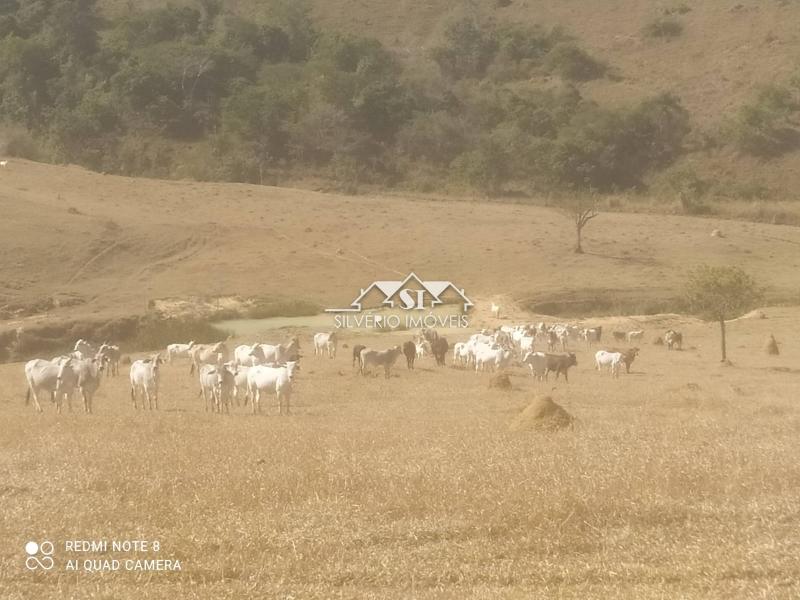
581 210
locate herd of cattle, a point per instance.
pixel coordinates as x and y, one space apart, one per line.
249 371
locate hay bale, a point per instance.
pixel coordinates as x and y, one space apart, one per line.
542 415
500 381
771 347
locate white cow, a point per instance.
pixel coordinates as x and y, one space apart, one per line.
325 343
248 356
179 350
613 360
109 357
384 358
537 362
461 354
240 388
277 353
423 348
84 349
491 357
495 310
217 385
144 381
85 377
51 377
208 354
272 379
635 336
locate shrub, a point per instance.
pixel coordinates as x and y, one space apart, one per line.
571 62
469 48
663 27
765 127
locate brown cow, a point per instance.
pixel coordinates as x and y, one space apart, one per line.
410 351
560 363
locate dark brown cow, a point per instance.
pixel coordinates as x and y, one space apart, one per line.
560 363
410 351
439 348
357 354
628 356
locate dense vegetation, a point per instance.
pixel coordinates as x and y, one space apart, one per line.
200 92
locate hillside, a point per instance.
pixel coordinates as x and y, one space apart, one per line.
724 54
108 245
694 106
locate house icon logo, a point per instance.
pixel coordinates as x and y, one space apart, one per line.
411 293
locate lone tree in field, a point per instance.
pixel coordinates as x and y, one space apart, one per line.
721 293
581 211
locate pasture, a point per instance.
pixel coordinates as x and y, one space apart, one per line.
679 480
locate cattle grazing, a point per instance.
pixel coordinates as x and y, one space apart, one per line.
247 356
357 354
382 358
144 381
109 357
495 310
620 336
673 339
635 336
410 352
240 389
559 363
439 349
277 380
537 363
325 343
179 350
612 360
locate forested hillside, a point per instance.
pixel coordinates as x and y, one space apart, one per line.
494 97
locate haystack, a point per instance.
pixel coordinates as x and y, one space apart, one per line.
542 415
771 347
501 381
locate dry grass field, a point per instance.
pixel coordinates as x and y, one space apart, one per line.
679 480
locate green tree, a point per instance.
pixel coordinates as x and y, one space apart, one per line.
721 293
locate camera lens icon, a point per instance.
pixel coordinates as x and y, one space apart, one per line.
39 555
